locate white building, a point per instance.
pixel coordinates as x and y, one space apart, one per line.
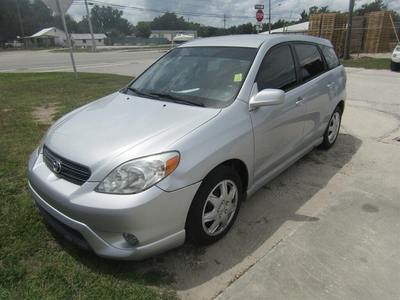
301 28
85 39
49 37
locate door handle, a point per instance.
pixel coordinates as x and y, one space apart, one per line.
330 84
300 101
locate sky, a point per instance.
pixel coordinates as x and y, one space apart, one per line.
221 13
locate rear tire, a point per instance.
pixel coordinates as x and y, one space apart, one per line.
332 130
215 206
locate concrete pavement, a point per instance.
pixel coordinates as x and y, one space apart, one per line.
351 250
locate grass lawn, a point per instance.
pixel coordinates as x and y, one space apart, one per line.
368 63
36 262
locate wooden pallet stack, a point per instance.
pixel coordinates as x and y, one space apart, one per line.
314 25
379 29
339 36
329 26
357 34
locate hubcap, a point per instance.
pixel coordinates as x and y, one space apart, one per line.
220 207
333 129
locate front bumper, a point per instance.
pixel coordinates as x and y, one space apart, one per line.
396 58
98 221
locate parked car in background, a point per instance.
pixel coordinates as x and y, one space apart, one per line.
13 44
172 155
395 62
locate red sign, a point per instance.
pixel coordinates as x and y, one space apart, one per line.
259 15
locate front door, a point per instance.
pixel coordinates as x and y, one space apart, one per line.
278 130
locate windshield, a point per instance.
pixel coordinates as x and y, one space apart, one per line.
203 76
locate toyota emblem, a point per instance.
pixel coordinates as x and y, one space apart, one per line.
56 166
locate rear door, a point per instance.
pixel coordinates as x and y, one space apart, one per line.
316 86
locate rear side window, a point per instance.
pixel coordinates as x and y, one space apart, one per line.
330 57
277 70
310 59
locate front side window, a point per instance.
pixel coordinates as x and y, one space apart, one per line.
206 76
277 70
310 59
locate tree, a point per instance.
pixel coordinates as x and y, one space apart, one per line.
106 18
9 20
279 24
125 27
34 17
169 21
377 5
40 16
72 25
247 28
304 16
142 29
319 10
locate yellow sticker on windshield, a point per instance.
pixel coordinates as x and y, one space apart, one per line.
238 77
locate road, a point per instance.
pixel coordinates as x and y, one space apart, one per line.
123 62
133 62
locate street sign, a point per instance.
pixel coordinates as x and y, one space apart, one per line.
258 6
259 15
259 26
52 4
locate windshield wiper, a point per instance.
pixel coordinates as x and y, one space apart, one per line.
139 93
177 99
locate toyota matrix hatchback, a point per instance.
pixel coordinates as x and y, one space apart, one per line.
172 155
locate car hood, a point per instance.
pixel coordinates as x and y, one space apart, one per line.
122 127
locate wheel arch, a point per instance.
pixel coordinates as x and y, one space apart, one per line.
240 168
341 105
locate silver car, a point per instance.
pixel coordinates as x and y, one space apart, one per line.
173 154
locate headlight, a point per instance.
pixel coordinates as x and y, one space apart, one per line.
140 174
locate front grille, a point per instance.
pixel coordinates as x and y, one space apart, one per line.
65 169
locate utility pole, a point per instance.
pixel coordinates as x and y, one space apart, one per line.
346 54
269 17
224 20
67 36
94 49
20 22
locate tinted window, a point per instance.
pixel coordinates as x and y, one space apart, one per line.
330 57
310 59
277 70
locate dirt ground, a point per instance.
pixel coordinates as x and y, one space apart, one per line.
46 113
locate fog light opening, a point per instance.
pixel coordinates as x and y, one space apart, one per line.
131 239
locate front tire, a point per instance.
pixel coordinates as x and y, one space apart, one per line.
332 131
215 206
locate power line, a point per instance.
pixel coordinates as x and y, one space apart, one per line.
222 16
181 13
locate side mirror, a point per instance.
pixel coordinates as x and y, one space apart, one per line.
267 97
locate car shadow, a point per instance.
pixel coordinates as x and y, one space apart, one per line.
273 212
